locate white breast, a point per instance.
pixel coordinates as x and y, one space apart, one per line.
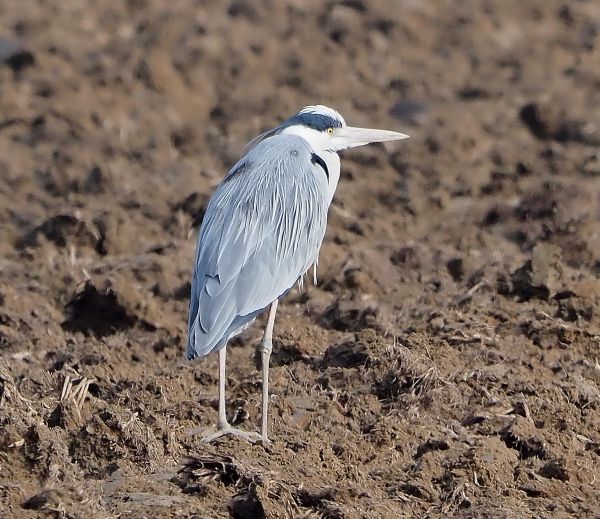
332 159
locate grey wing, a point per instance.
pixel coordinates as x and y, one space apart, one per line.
262 230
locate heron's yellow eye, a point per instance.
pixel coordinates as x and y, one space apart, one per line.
330 131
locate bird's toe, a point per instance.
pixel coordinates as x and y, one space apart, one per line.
249 436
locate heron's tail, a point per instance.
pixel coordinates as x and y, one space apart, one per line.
197 337
199 348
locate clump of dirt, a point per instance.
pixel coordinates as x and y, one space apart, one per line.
446 362
100 313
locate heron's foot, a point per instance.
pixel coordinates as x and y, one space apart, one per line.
227 430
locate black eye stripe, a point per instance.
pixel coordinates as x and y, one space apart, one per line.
317 122
315 159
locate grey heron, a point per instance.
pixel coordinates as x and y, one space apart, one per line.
261 232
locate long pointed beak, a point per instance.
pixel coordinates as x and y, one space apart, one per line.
349 137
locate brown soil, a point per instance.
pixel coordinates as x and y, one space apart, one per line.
447 363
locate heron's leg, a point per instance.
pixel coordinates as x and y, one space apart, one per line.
222 423
266 347
223 427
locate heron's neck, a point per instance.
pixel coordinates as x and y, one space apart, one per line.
318 143
332 159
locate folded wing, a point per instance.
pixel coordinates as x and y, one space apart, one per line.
262 230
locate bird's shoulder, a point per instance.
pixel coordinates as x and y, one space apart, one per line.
287 154
285 141
281 147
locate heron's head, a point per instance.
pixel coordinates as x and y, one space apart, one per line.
325 129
